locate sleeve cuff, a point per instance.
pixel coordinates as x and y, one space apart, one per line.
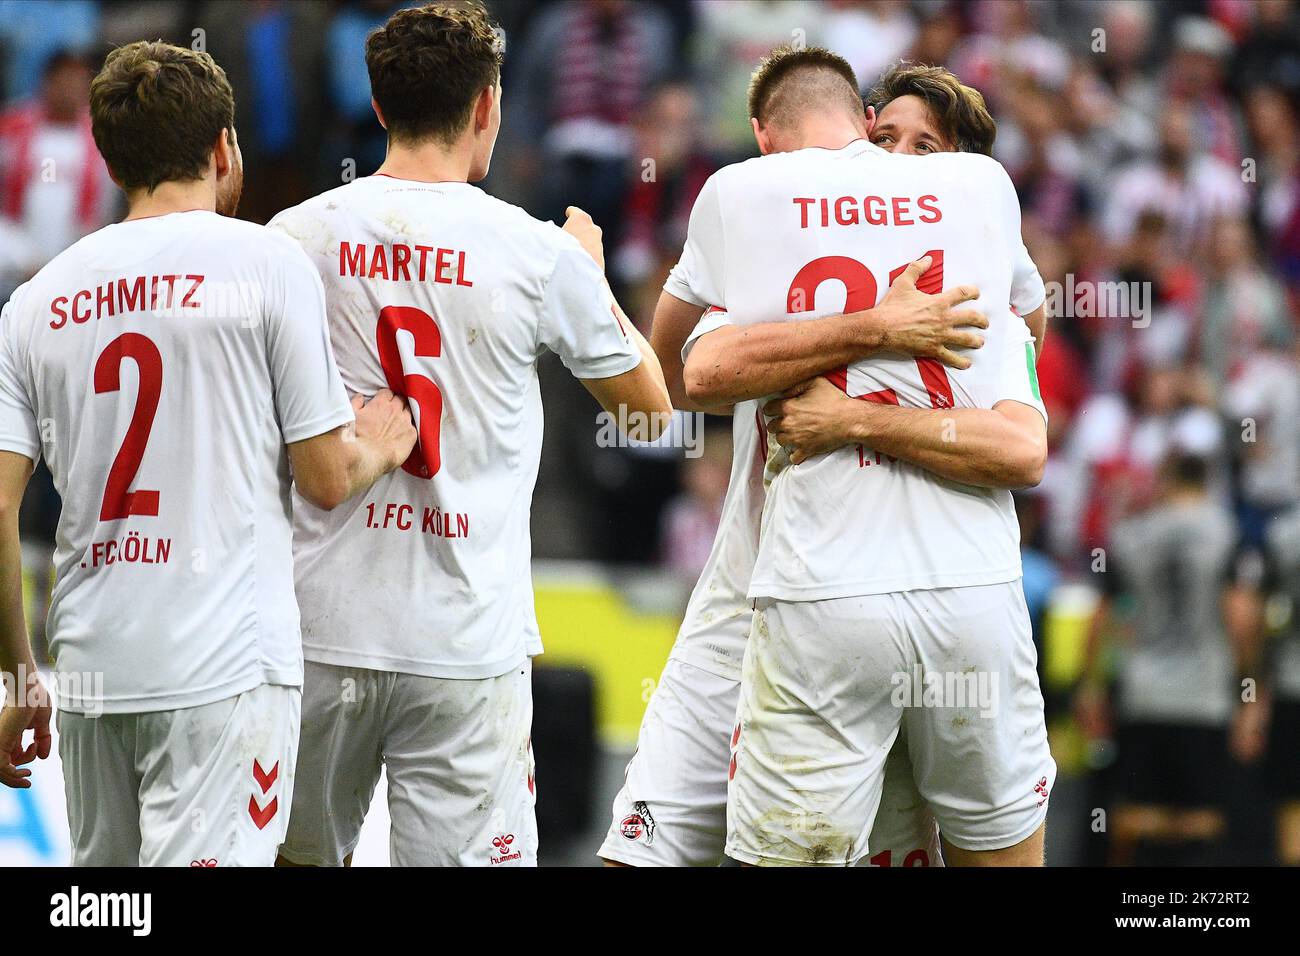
712 320
319 425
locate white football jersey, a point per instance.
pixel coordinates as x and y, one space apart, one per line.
849 221
448 296
160 366
1027 289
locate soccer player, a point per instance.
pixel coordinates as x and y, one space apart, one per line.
672 807
1177 562
917 110
172 369
921 110
418 615
900 554
671 810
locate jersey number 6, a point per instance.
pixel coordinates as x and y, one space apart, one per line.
426 457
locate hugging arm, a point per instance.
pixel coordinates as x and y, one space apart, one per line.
1000 447
735 363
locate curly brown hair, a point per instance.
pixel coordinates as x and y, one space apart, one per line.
958 110
823 75
156 111
429 64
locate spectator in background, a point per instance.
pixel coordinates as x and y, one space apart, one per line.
1269 54
1187 185
1041 156
1275 155
33 31
1262 404
674 167
356 133
872 35
936 37
583 73
54 187
1133 97
1274 129
1195 74
690 520
732 36
1243 308
1005 47
273 52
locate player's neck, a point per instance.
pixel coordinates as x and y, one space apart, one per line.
825 133
428 162
172 197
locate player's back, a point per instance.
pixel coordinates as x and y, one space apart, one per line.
816 232
448 296
151 355
1175 562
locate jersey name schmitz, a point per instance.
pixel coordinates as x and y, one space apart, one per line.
160 366
448 296
816 232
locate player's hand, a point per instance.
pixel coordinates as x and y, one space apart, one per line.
16 718
930 326
384 422
579 225
812 418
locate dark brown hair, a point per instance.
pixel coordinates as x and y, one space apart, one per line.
769 84
427 67
156 111
958 110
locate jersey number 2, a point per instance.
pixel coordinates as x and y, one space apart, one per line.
119 501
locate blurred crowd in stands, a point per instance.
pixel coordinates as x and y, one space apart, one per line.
1155 148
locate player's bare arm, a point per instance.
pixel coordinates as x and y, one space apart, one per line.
736 363
673 323
1000 447
31 708
331 468
642 390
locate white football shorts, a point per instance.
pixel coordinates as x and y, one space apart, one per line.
459 759
203 786
672 809
828 686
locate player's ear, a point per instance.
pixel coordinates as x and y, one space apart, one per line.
871 118
483 108
223 153
379 114
760 136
